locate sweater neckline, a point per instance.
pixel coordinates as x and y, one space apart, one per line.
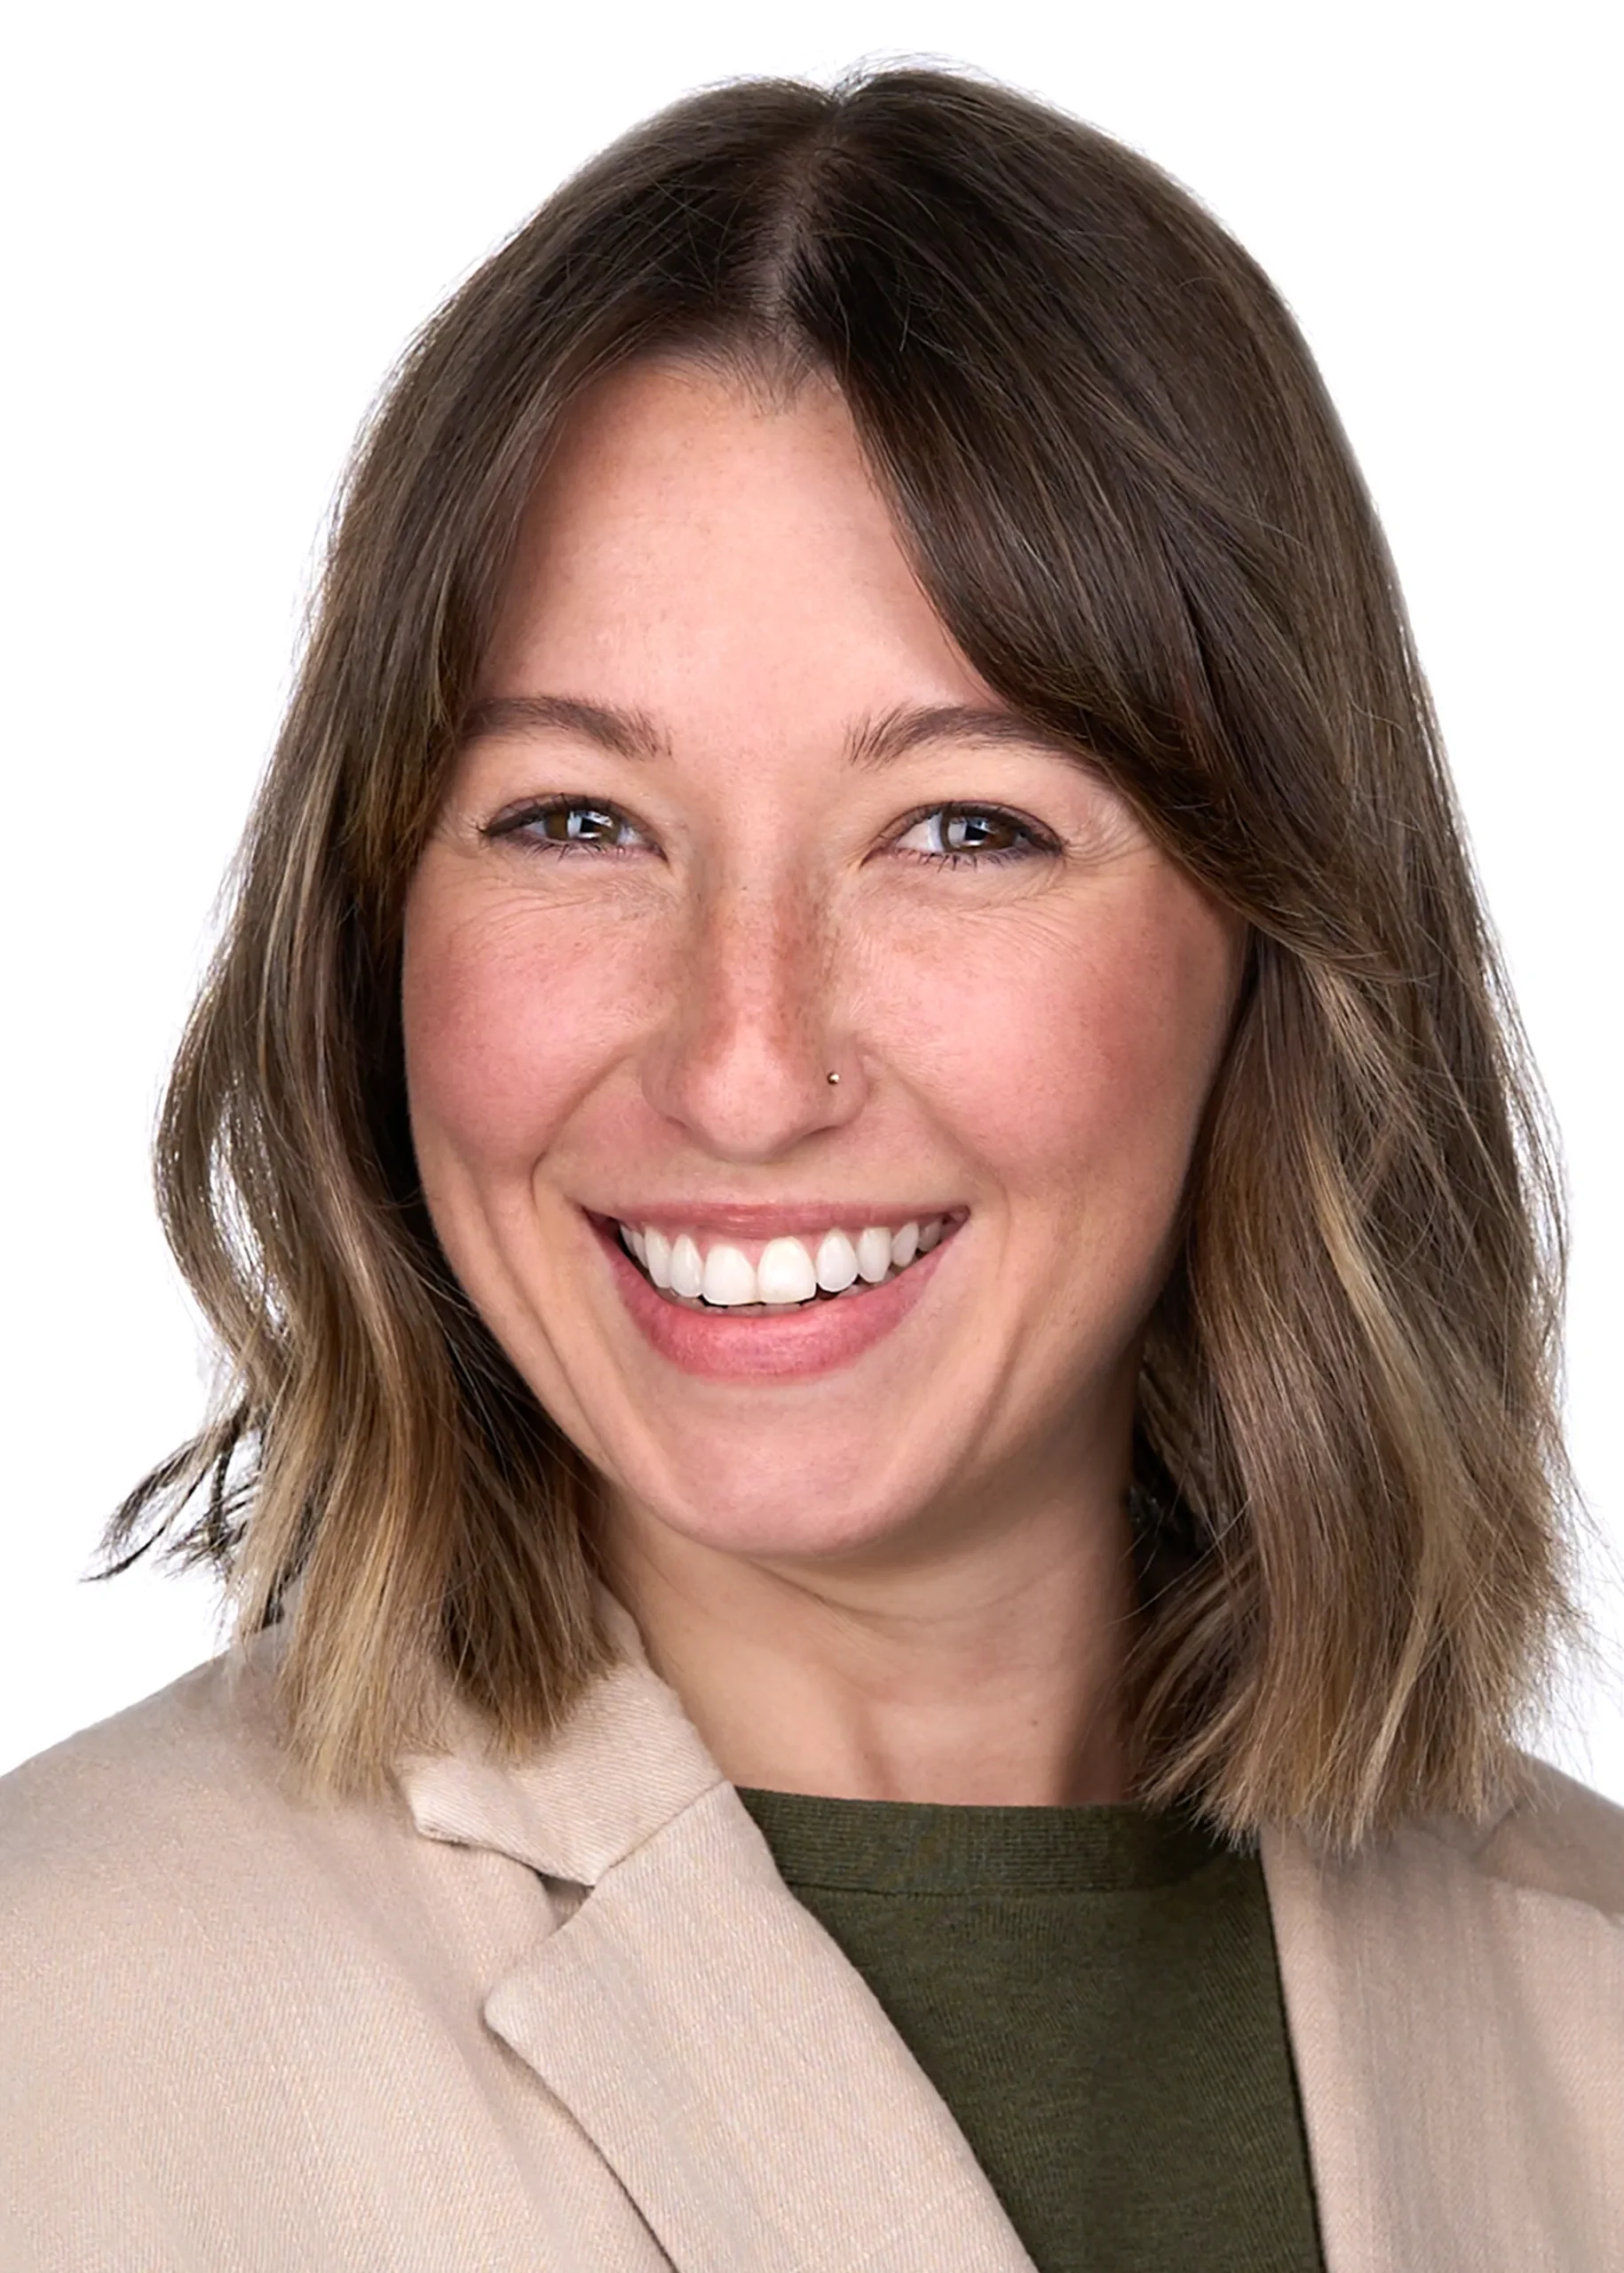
918 1847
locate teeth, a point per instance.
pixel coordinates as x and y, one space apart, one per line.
788 1273
688 1271
874 1255
837 1263
729 1277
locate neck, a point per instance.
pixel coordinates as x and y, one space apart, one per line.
988 1675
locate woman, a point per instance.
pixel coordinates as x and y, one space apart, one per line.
891 1482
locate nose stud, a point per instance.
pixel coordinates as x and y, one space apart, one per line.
834 1077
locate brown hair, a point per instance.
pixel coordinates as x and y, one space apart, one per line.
1124 489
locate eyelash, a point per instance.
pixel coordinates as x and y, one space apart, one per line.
1036 841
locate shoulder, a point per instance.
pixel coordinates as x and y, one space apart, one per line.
176 1841
1542 1873
1555 1836
1537 1882
181 1736
1445 1950
190 1783
180 1924
146 1848
139 1776
192 1949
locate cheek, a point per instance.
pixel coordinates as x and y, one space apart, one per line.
1074 1055
507 1018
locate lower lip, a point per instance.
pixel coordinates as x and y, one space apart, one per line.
789 1346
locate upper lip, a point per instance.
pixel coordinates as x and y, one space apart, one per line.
766 1223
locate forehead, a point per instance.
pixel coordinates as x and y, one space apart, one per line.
693 527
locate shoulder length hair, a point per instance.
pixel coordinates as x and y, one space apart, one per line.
1116 470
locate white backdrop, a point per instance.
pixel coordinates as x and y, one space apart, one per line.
223 223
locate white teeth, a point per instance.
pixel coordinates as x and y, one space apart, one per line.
785 1273
687 1270
874 1254
837 1263
729 1277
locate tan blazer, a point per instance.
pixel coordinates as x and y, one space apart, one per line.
569 2017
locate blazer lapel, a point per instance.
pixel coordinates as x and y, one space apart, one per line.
1461 2100
738 2074
715 2044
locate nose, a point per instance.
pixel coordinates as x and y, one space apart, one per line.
752 1032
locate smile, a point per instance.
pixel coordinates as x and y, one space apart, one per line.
780 1274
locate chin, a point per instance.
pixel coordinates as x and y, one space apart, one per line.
776 1506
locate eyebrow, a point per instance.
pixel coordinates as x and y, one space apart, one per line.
629 733
881 742
875 744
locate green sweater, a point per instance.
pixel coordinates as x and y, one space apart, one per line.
1094 1992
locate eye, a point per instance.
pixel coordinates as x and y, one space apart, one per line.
567 825
974 834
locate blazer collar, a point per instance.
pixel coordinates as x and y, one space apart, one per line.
713 2041
623 1767
740 2078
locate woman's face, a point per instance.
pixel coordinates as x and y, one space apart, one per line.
737 814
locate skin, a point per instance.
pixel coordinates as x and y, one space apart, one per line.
907 1575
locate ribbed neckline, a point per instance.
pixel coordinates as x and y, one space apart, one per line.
915 1847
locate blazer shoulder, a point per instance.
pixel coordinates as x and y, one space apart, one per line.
191 1780
1556 1836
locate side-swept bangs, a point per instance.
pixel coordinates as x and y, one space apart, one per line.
1116 470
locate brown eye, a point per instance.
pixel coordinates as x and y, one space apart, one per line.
975 832
970 832
576 824
567 824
